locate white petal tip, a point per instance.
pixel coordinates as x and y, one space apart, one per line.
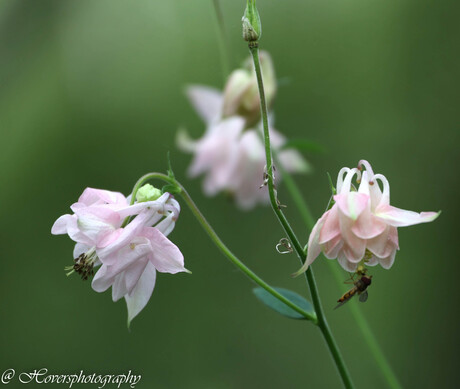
435 216
299 272
184 142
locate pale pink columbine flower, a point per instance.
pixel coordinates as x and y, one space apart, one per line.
361 226
231 153
233 160
130 255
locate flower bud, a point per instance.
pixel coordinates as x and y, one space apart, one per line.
252 28
241 93
148 193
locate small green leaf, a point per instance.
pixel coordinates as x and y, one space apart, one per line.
170 170
331 184
173 189
303 145
278 306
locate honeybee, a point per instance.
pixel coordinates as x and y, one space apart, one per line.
359 288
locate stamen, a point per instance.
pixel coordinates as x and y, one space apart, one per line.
84 265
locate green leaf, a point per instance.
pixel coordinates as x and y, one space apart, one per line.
173 189
272 302
303 145
331 184
170 170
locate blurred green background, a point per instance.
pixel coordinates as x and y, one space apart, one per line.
91 94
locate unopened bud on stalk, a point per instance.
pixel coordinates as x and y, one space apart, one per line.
148 193
252 28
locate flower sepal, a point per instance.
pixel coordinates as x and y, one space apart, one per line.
252 28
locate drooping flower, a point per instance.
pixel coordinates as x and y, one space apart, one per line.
231 153
361 226
130 255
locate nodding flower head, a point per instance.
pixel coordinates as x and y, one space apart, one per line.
361 226
129 254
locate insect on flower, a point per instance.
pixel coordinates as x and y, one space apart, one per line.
360 287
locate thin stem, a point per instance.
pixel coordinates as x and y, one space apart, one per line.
218 242
369 337
224 46
322 322
226 251
296 195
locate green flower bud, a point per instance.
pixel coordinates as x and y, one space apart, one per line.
147 193
252 28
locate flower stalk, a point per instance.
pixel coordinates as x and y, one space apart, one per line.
322 322
223 41
218 242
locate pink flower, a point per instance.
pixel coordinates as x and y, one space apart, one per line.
231 153
131 255
233 160
361 226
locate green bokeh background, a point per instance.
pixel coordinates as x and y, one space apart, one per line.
91 94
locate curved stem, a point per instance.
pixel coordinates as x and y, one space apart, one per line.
322 322
248 272
224 47
141 181
218 242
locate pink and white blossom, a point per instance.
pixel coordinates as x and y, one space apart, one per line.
361 226
231 153
232 159
129 255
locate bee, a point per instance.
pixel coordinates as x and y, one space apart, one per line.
359 288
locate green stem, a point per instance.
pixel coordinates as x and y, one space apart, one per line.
218 242
369 337
248 272
295 193
224 46
322 322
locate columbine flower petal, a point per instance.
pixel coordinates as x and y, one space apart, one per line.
314 248
165 255
331 227
401 218
91 196
140 295
206 101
